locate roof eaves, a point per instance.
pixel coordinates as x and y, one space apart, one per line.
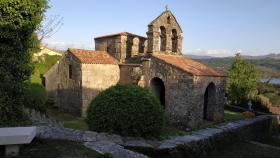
191 73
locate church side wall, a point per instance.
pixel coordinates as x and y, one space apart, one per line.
184 93
51 81
96 78
69 91
200 85
179 105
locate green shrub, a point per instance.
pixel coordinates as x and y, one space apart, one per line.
274 98
261 103
35 97
128 110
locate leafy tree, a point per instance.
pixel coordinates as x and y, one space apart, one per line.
18 21
242 81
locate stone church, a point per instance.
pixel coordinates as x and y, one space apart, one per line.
189 91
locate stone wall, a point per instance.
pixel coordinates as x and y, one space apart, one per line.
97 77
112 45
198 143
184 93
69 89
122 47
205 141
130 73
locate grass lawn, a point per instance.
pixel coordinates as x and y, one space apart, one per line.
75 122
168 131
71 121
270 141
55 149
232 116
68 120
244 150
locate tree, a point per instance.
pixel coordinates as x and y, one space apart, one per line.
50 27
242 83
18 21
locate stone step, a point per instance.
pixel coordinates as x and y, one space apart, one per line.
116 150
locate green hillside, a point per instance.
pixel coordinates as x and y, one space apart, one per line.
42 66
268 67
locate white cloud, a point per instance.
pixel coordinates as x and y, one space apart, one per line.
214 52
59 45
220 52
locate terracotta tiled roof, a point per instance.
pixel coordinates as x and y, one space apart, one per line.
189 65
119 34
93 57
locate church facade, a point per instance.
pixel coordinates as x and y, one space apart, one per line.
189 91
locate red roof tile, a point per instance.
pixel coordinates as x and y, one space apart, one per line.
119 34
93 57
189 65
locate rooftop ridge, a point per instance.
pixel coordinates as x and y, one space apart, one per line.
189 65
119 34
93 56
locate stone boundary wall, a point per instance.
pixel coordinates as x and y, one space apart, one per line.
196 144
40 119
201 142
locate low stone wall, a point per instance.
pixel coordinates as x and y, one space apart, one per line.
194 145
201 142
41 119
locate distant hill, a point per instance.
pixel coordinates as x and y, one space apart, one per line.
268 65
197 56
269 56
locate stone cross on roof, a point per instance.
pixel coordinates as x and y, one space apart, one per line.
166 7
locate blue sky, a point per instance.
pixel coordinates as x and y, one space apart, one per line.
210 27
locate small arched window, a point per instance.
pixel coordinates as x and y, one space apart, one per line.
141 46
108 48
168 20
70 71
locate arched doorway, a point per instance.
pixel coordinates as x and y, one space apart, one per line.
158 89
209 102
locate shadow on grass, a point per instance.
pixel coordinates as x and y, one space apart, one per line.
244 150
42 148
68 120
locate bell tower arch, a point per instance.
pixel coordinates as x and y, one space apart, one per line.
165 34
